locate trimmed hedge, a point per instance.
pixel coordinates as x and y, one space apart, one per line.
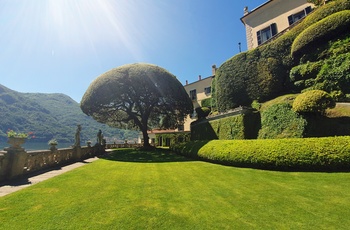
309 154
313 101
280 121
244 126
328 28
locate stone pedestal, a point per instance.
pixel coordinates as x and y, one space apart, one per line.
16 161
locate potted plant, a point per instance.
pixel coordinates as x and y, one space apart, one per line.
53 143
16 139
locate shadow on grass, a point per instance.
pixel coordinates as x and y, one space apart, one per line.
140 156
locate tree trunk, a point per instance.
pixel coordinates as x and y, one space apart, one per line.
145 138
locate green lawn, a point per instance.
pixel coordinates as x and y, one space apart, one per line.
137 190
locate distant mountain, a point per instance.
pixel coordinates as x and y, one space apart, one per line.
50 116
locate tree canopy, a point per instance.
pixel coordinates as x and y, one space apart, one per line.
139 96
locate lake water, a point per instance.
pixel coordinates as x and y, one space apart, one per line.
30 146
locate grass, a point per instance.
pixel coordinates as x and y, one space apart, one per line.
340 110
159 190
288 98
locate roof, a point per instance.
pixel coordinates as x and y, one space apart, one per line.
199 80
255 9
162 131
157 131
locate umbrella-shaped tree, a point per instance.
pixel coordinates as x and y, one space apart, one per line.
140 96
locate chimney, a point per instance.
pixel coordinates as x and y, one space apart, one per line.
213 70
186 82
246 11
199 77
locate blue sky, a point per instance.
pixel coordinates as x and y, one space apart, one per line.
61 46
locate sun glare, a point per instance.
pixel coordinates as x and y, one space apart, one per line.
91 22
125 25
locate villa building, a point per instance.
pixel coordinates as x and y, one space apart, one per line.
198 91
272 18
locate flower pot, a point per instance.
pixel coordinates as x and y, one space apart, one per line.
16 142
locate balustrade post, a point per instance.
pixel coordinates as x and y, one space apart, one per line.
16 160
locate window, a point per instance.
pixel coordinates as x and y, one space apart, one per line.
207 90
296 17
193 94
266 33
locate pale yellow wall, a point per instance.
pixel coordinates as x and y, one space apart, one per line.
274 11
199 86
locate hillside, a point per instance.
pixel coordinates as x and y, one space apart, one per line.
50 116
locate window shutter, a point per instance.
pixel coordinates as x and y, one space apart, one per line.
273 29
290 20
259 37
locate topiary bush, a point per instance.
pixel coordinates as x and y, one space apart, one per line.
247 77
280 121
335 74
313 101
309 154
328 28
329 70
303 72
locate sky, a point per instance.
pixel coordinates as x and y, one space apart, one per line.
61 46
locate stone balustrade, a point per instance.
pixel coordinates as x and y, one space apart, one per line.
124 145
16 162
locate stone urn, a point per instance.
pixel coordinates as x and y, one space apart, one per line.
53 147
16 142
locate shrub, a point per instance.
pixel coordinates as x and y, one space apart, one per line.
305 71
280 121
202 112
337 95
256 105
313 101
329 74
330 27
244 126
206 102
311 154
335 74
247 77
